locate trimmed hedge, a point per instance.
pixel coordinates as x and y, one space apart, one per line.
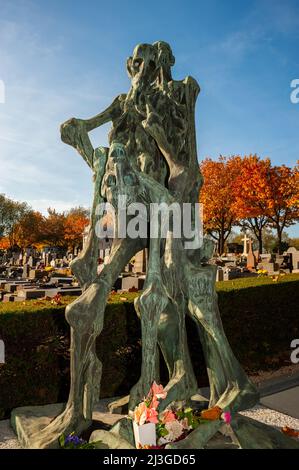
260 318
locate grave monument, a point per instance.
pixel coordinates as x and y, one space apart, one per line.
151 159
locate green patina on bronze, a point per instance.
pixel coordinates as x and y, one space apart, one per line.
151 159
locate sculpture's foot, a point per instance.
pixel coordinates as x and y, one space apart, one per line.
179 389
252 434
117 406
244 433
40 427
237 399
198 438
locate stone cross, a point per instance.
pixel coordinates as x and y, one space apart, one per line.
245 249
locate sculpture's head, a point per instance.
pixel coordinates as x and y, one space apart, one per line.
147 62
142 66
120 179
165 58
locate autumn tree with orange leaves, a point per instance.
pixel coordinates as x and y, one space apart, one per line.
267 195
282 207
76 221
29 231
251 195
218 197
64 229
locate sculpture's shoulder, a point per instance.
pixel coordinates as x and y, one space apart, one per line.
188 86
117 106
122 97
192 85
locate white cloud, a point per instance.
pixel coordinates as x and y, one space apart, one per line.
60 206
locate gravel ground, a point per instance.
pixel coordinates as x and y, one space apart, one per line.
8 438
271 417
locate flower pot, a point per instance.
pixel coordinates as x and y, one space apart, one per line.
145 435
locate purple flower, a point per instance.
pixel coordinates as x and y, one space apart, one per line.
73 439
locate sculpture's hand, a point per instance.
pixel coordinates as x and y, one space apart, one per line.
71 130
74 133
152 119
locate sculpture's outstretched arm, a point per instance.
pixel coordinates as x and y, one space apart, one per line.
74 132
113 111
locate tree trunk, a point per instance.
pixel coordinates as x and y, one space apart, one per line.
260 241
221 243
279 239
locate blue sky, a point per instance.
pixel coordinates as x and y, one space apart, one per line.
66 58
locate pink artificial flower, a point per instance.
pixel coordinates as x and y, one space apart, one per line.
158 391
227 417
167 416
152 415
185 424
140 413
154 403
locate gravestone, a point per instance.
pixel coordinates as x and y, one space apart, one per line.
26 270
132 282
251 261
139 265
31 261
220 274
294 258
36 274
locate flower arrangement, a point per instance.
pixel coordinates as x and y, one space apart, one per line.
154 429
262 273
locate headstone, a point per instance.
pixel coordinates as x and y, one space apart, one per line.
294 258
271 267
139 265
129 282
8 298
26 269
219 274
36 274
251 261
29 294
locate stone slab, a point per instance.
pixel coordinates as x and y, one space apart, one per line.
28 420
286 401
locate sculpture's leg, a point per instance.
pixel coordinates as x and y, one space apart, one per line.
149 306
229 384
85 265
173 343
86 315
172 329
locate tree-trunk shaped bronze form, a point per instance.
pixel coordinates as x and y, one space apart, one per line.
151 159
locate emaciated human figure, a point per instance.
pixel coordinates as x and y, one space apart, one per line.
151 159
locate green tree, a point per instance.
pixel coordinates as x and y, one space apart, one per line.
11 212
